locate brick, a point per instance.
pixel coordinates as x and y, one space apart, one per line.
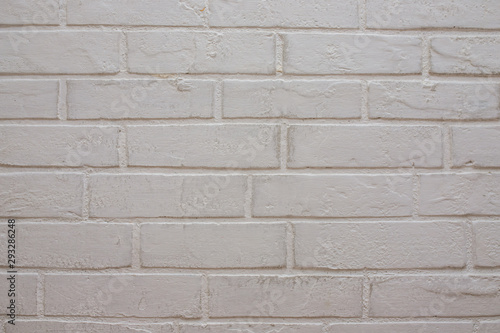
284 296
25 293
418 14
489 327
412 327
332 196
287 14
148 99
291 99
123 295
157 195
70 52
433 100
477 146
33 12
213 245
55 326
254 328
323 146
380 245
129 12
38 145
212 146
487 244
88 245
40 194
201 52
435 296
460 194
351 54
28 99
465 55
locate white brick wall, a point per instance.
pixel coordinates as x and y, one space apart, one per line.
188 166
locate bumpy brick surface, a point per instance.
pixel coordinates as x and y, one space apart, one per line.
251 166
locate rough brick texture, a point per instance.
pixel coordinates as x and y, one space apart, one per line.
80 54
135 99
59 145
332 196
215 146
435 296
284 296
196 52
487 240
379 245
378 146
92 245
213 245
309 99
28 99
251 166
123 295
343 54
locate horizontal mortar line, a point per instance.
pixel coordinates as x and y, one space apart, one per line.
251 77
216 75
272 121
225 220
103 27
258 271
233 171
256 320
429 318
208 172
246 122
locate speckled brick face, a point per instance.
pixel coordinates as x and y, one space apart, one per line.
292 166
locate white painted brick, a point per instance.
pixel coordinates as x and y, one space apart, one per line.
310 99
489 327
460 194
411 327
284 296
37 194
130 12
157 195
478 146
282 13
33 12
122 295
351 54
28 99
323 146
213 245
119 99
465 55
53 326
214 146
201 52
70 52
25 293
435 296
249 116
62 245
253 328
433 100
417 14
380 245
39 145
332 196
487 244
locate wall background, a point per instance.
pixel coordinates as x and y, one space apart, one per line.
252 166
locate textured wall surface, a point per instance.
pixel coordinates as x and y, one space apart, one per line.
187 166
